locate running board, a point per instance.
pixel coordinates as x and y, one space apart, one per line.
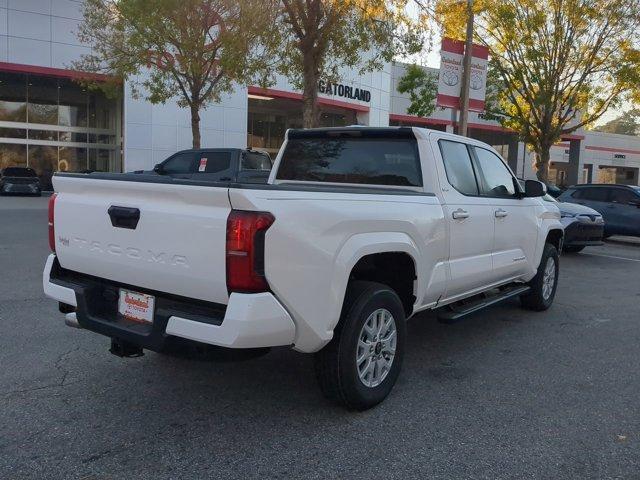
456 311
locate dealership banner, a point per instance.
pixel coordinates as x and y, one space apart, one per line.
450 78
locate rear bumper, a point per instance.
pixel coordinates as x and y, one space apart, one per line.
247 321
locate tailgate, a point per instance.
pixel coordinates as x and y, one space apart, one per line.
177 245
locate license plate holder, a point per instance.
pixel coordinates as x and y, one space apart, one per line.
136 306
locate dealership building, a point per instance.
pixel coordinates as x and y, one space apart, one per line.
49 122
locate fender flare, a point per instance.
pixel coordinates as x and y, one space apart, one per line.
359 246
548 221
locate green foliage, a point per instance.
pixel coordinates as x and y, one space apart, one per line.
562 63
318 37
422 87
626 124
191 50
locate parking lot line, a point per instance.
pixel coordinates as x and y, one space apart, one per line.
611 256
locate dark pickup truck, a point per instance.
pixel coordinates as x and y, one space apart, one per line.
216 164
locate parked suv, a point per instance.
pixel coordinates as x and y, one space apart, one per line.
619 205
19 180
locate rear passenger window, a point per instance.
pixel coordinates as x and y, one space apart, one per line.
457 164
255 161
369 161
179 163
621 195
594 194
213 162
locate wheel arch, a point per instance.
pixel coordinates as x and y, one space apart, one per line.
363 256
555 237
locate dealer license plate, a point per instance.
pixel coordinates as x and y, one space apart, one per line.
136 306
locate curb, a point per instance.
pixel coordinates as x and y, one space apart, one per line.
632 241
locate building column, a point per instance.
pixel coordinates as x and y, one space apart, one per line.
364 118
573 168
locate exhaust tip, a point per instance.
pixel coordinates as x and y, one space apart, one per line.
70 320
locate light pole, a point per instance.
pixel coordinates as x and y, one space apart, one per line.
466 73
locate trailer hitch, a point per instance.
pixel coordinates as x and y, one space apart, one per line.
122 348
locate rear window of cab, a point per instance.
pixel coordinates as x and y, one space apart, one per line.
351 158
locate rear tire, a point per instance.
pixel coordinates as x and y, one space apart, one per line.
572 248
544 284
360 365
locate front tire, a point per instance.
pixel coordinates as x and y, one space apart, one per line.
361 364
544 284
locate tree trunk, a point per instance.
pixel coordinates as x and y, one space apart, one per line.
310 111
195 124
543 156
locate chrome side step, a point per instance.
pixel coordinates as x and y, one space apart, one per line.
456 311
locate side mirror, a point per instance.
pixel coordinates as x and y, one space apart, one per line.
158 169
534 188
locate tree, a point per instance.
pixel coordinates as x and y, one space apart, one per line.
422 87
561 63
191 50
628 123
319 36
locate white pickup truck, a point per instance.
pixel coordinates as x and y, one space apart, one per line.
356 230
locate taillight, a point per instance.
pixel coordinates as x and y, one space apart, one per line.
52 230
245 250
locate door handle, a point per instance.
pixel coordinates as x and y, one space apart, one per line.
500 213
460 213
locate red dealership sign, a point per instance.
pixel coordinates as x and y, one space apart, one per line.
450 77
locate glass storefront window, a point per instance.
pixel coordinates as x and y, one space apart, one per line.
50 135
72 159
13 133
102 160
101 113
12 155
267 121
44 160
73 104
38 106
258 130
73 137
42 100
13 97
329 119
276 132
106 139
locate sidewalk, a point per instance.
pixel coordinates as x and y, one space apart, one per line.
634 241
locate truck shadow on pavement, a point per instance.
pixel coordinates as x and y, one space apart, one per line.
283 382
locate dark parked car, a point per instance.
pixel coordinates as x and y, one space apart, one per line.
19 180
554 190
583 226
619 205
216 164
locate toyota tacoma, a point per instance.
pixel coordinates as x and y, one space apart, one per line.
357 230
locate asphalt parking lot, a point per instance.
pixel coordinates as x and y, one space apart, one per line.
504 394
